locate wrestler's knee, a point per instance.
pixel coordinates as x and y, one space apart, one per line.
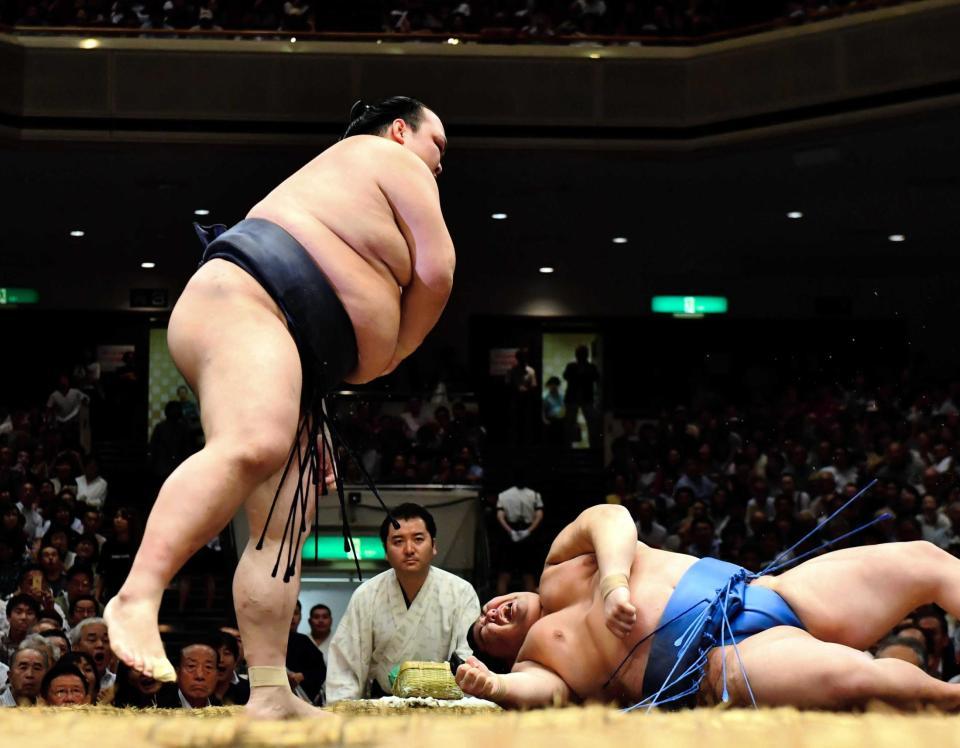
259 455
849 683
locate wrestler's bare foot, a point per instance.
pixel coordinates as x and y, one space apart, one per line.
277 702
135 638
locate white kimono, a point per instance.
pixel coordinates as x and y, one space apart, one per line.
378 631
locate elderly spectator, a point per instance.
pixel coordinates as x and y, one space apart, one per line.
91 636
64 685
27 668
196 679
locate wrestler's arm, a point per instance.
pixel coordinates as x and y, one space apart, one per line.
608 531
412 192
529 685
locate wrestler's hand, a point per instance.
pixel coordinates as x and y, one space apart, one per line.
619 612
475 679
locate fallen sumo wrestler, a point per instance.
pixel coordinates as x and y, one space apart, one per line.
337 275
618 621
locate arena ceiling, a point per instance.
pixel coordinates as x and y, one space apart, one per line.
712 211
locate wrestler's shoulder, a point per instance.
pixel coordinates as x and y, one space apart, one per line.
374 146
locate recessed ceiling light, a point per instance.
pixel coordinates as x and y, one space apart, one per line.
546 270
619 240
201 212
148 265
897 238
794 214
76 233
498 216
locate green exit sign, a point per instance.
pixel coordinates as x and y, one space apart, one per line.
330 548
19 295
689 305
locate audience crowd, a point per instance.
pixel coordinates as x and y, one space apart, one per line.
435 443
751 484
495 20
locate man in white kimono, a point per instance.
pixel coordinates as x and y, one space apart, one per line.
413 611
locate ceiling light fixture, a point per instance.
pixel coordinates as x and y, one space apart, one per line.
619 240
795 214
546 270
498 216
89 43
293 40
897 238
77 233
148 265
201 212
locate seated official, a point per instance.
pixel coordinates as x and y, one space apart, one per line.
196 679
413 611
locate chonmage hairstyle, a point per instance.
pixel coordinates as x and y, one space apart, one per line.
374 119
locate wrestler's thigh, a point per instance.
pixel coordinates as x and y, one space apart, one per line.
855 596
786 666
227 338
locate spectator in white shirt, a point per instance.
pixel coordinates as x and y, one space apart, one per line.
91 487
65 402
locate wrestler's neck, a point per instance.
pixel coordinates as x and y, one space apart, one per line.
411 582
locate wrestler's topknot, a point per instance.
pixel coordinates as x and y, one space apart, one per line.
374 119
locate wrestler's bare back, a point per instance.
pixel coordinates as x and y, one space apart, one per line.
572 639
337 208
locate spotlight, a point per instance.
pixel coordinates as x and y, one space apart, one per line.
498 216
89 43
897 238
148 265
77 233
619 240
201 212
546 270
795 214
293 40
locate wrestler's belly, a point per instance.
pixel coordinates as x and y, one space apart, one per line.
368 291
